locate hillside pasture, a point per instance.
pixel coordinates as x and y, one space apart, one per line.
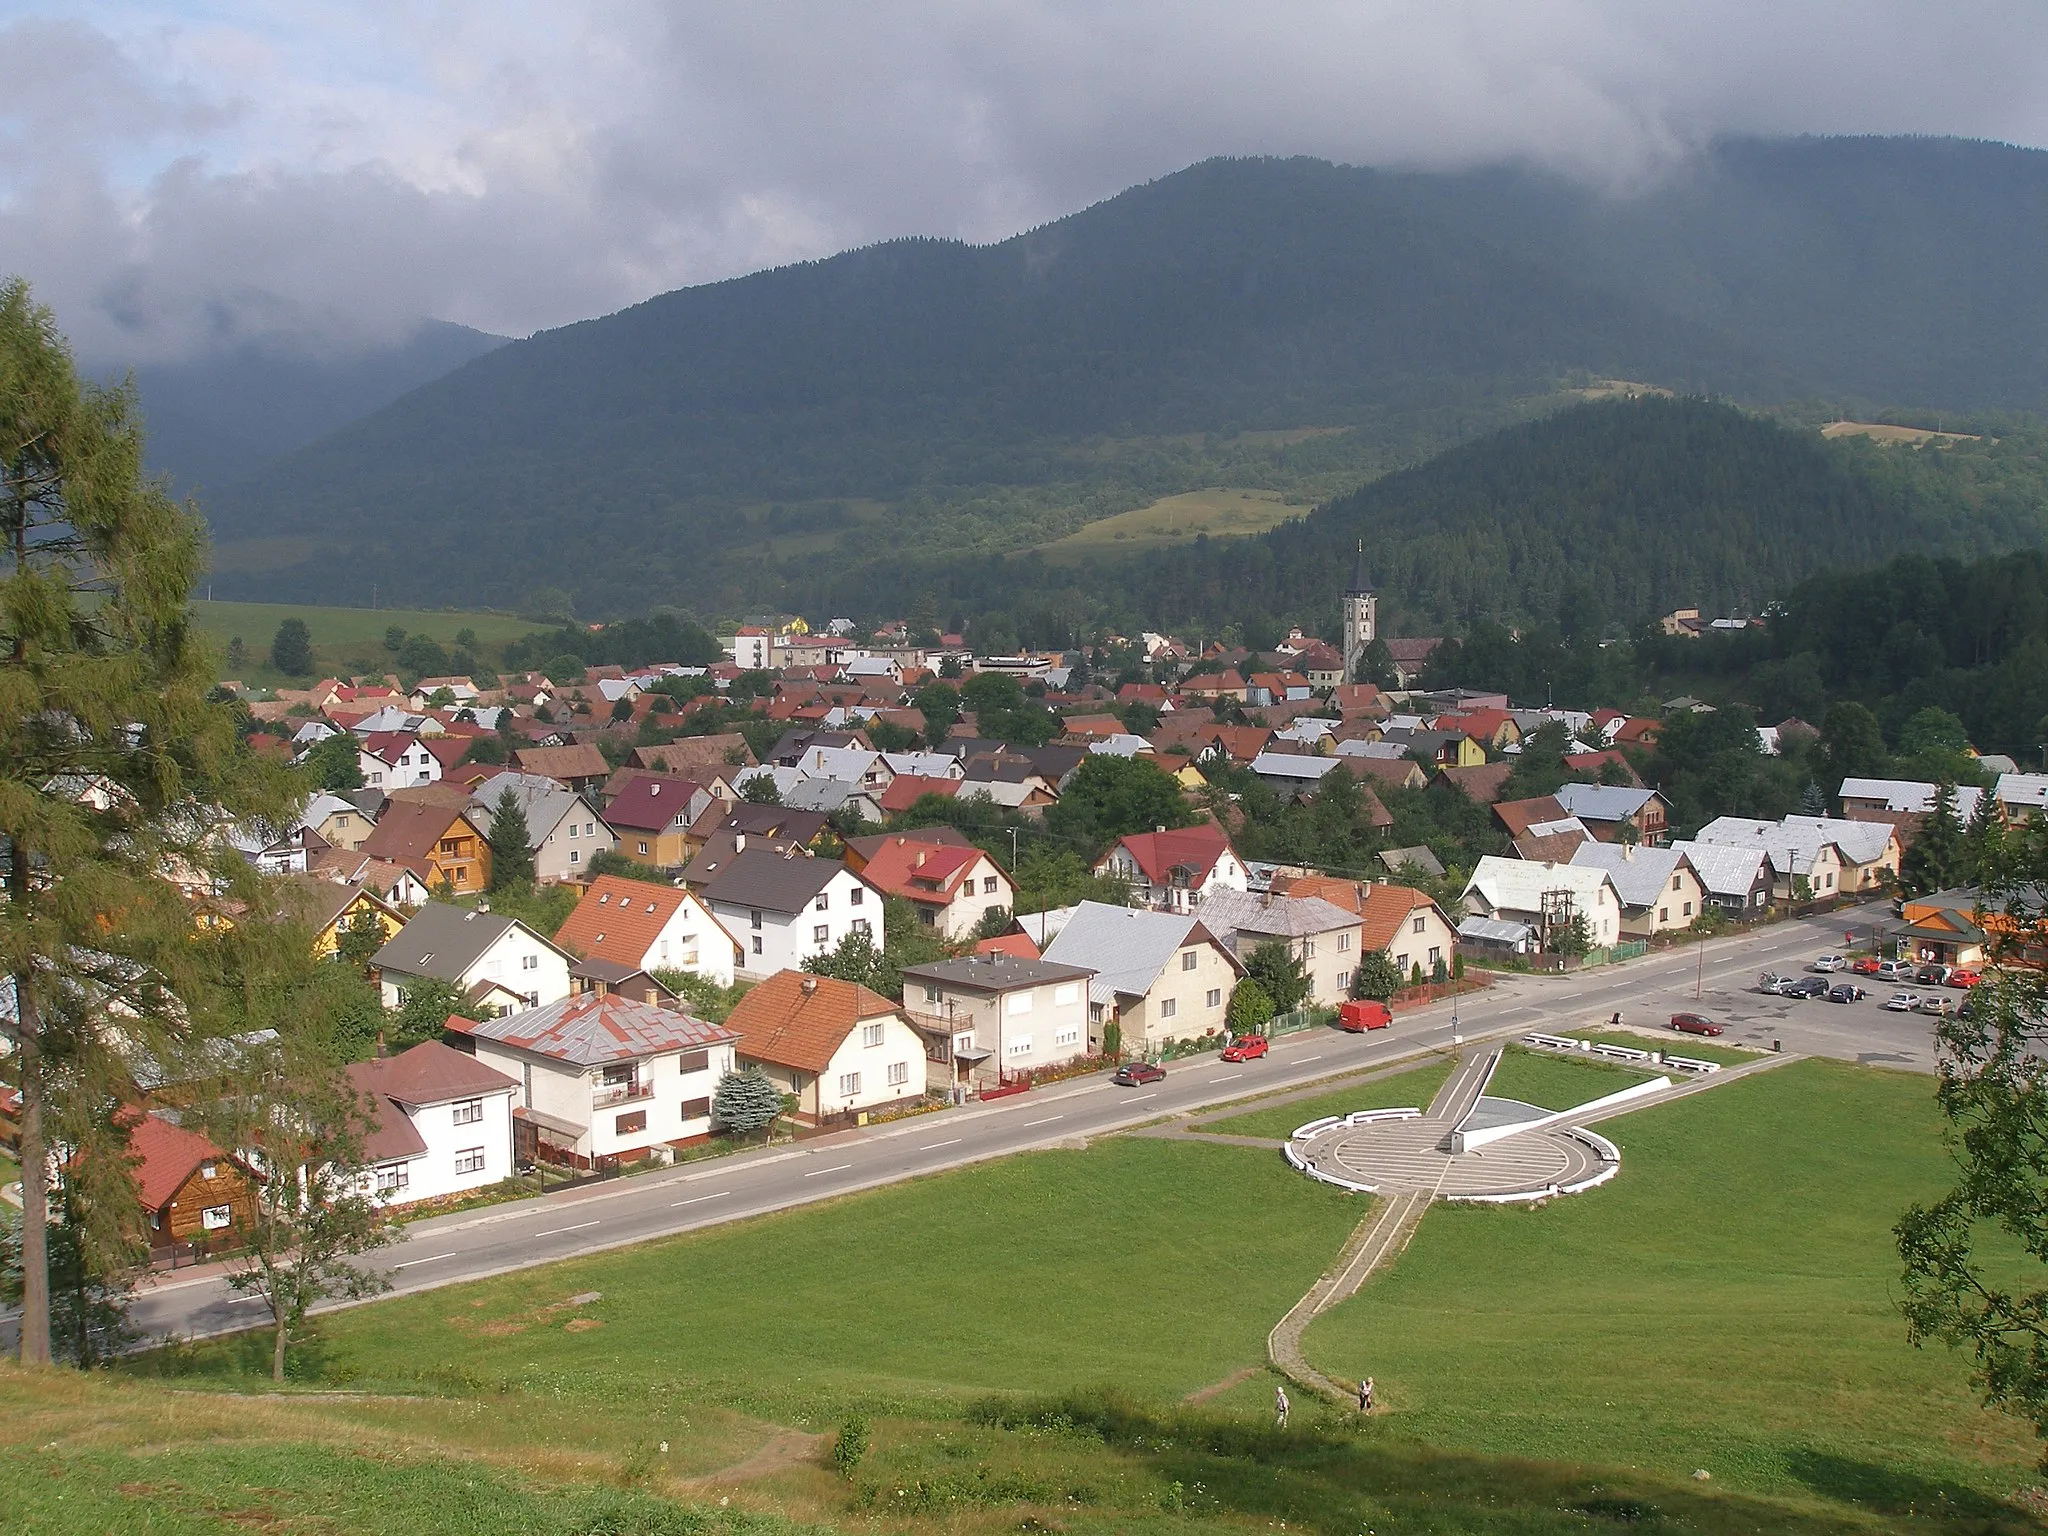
1884 432
345 640
1222 513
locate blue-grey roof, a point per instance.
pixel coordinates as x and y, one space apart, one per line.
1603 802
1641 875
1126 947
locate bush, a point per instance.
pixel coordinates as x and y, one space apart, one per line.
851 1448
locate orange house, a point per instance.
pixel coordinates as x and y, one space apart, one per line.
435 841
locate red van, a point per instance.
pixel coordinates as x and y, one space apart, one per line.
1356 1018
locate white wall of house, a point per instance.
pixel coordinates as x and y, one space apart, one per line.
691 940
469 1147
1030 1027
520 961
984 889
782 941
415 765
1423 938
1228 874
565 852
1187 1001
1327 958
642 1105
880 1062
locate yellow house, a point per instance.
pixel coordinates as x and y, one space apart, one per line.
338 823
336 907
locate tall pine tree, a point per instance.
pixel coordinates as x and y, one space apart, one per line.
115 768
511 843
1938 857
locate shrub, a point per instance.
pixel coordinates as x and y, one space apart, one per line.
851 1448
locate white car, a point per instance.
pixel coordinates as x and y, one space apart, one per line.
1828 963
1902 1002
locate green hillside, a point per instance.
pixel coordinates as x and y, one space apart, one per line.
1171 339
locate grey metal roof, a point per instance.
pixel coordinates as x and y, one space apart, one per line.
442 940
1126 947
543 801
995 973
1725 870
1495 930
1641 875
1224 912
761 877
1418 858
1603 802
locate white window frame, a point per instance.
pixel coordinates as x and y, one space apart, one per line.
215 1217
1169 1007
1017 1045
849 1085
469 1160
870 1035
469 1112
898 1074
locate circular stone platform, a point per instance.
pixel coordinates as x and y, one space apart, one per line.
1408 1155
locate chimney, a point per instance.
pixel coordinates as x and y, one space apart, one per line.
808 986
920 858
1628 852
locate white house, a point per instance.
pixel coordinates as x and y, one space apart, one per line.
783 908
440 1123
983 1015
561 825
839 1048
1159 976
1323 937
1173 871
396 760
602 1077
1544 894
649 927
497 962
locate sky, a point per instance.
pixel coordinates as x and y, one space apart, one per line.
321 174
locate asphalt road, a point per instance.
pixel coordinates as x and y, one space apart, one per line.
444 1250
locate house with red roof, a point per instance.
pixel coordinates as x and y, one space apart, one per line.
190 1190
906 789
440 1123
1172 871
397 760
951 883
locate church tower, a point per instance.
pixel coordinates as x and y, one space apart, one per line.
1361 617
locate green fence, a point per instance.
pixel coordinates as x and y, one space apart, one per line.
1627 950
1295 1022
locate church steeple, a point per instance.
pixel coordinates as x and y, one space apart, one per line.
1361 617
1360 582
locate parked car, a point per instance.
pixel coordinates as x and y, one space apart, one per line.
1865 965
1846 992
1828 963
1902 1002
1931 975
1895 970
1773 984
1246 1048
1133 1073
1694 1024
1934 1003
1807 986
1964 977
1358 1016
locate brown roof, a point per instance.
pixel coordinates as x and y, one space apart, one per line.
1396 771
1386 909
618 919
692 754
1551 847
409 829
581 761
800 1021
1519 815
455 797
429 1073
1482 783
164 1156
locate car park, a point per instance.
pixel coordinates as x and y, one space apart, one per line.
1937 1005
1895 970
1132 1074
1964 978
1902 1002
1694 1024
1808 986
1846 992
1361 1014
1246 1048
1830 962
1931 975
1772 984
1865 965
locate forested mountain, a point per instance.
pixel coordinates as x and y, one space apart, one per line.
745 442
217 418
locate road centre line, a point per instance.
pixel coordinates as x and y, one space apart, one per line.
695 1199
1228 1077
1139 1099
820 1172
1048 1120
938 1144
429 1259
1300 1061
558 1231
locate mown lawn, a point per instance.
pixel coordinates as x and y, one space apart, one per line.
1416 1087
1672 1043
345 640
1552 1081
1726 1304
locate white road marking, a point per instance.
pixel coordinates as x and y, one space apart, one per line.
695 1198
1317 1057
820 1172
243 1301
557 1231
1228 1077
938 1144
1048 1120
1140 1098
429 1259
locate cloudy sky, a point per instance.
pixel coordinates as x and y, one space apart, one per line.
174 177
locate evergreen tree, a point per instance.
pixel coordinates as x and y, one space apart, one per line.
108 739
745 1102
1812 802
1250 1008
511 840
1279 974
1938 856
1984 842
291 649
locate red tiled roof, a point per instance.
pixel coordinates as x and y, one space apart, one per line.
920 871
1016 945
906 788
800 1021
618 919
1195 848
1520 815
165 1156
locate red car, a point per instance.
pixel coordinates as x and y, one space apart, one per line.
1864 965
1694 1024
1133 1073
1355 1018
1965 979
1246 1048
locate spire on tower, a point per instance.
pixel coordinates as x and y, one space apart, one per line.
1360 582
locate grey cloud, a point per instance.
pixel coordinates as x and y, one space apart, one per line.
526 166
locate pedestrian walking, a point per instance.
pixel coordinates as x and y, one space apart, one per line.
1279 1407
1365 1395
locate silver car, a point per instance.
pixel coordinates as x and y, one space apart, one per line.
1902 1002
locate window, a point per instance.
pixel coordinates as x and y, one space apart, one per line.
1688 909
1189 960
931 994
870 1034
1344 942
1674 882
757 944
694 1109
1095 1013
1215 997
1401 964
1017 1045
928 917
572 829
988 885
214 1217
899 1073
1069 1036
470 1160
754 916
630 1124
590 829
862 926
462 877
822 934
963 1042
529 962
1344 981
853 896
1418 925
1663 914
469 1112
1308 949
643 845
849 1085
1018 1003
1169 1007
1066 994
575 855
1436 957
208 1170
824 900
393 1177
694 1061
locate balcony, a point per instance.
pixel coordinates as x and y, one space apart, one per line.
620 1093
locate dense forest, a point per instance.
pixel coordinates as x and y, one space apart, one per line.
969 400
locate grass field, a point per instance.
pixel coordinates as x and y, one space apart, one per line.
1551 1081
1669 1041
345 640
1881 432
1225 513
1726 1304
1416 1087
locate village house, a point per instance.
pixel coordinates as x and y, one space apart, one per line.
561 827
2021 795
838 1048
1159 976
1660 891
441 844
1614 813
1172 871
440 1123
1545 897
641 926
580 766
603 1079
1736 880
331 907
784 908
1319 934
1815 857
190 1190
1398 921
396 760
496 962
650 819
950 883
990 1014
1944 927
337 822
